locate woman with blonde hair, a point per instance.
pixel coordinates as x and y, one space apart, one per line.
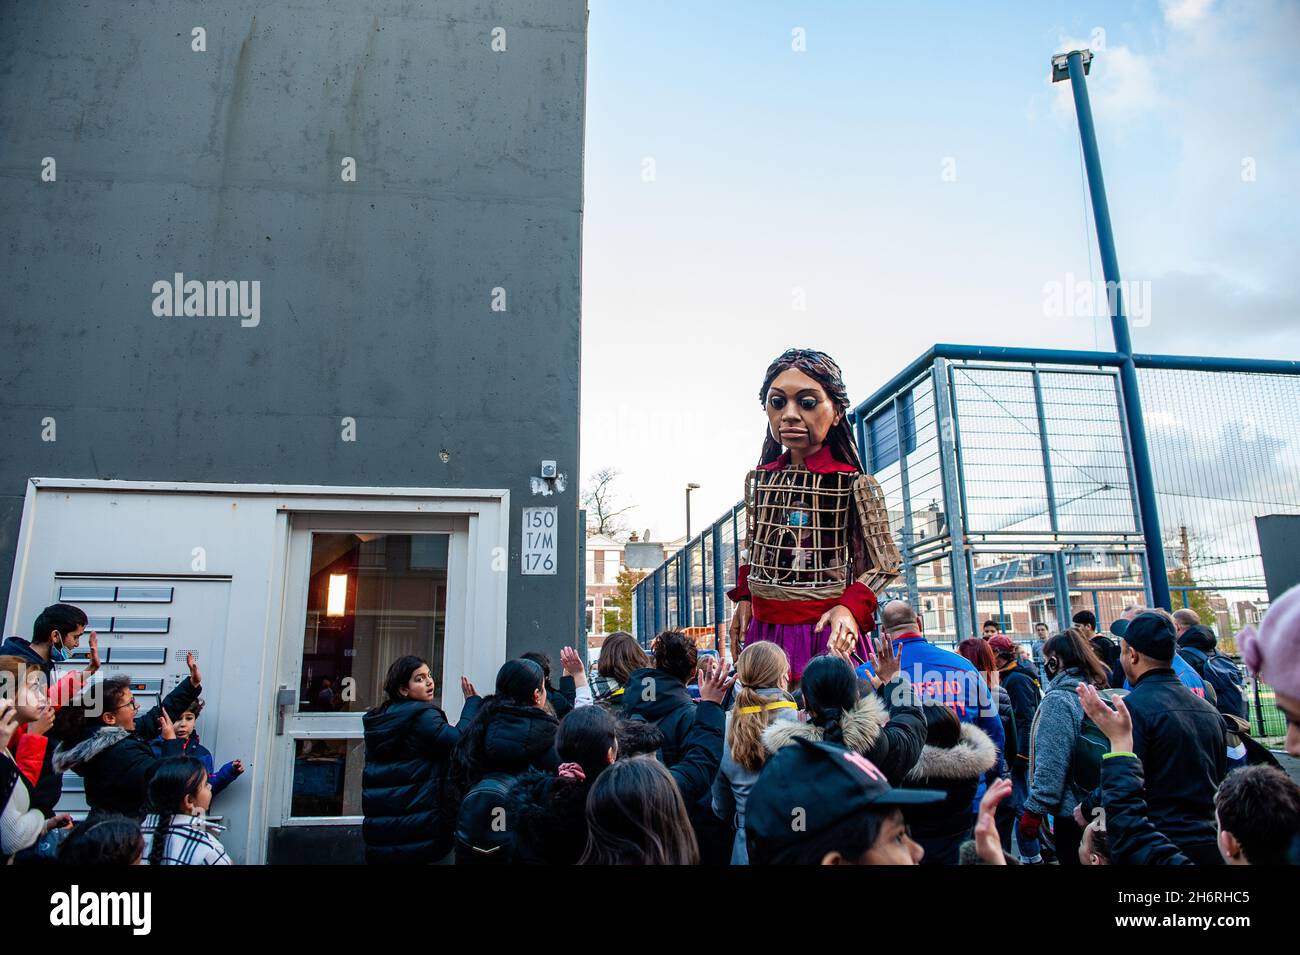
762 697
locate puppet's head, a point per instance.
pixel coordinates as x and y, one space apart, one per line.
825 422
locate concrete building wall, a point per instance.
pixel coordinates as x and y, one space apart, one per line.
376 296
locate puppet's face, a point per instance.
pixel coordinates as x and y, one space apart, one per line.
799 414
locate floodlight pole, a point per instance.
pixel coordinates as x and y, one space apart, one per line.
1075 65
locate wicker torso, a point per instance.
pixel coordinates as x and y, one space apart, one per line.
809 535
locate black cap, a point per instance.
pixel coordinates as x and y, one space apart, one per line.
818 786
1152 634
1119 627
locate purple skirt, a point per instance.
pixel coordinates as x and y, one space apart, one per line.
798 641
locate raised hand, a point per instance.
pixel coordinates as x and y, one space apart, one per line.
572 664
887 663
714 684
988 844
41 725
166 728
195 677
94 653
736 630
467 688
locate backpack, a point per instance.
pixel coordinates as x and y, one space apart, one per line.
482 833
1089 748
1222 674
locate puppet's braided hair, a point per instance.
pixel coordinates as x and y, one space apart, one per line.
822 368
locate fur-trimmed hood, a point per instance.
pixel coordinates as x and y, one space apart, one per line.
974 755
75 757
862 726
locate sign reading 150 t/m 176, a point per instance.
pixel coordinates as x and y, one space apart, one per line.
538 553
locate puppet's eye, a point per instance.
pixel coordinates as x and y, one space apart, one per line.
808 404
776 401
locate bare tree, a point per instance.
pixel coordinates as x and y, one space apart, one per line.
604 516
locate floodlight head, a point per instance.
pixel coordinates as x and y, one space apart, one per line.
1061 64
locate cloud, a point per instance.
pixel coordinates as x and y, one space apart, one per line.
1188 309
1184 14
1122 83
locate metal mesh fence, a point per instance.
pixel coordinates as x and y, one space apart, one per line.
1042 452
1225 449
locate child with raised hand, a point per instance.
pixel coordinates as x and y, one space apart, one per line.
177 827
103 741
190 746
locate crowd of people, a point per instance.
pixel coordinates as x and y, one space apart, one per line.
148 780
1093 748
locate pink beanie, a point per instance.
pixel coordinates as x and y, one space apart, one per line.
1273 651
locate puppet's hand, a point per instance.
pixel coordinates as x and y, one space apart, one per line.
740 618
843 628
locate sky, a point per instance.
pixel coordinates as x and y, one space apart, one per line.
910 176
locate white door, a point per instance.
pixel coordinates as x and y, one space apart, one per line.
361 591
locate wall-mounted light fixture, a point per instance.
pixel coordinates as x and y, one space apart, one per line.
337 600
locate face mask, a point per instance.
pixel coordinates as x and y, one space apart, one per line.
57 653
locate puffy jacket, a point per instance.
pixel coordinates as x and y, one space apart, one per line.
519 738
941 827
887 727
1052 740
516 738
115 764
1179 737
408 750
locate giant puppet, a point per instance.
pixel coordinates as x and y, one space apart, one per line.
817 534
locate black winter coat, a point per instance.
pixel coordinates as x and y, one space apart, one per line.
115 764
550 819
408 751
693 734
1133 839
941 827
887 727
1179 738
519 738
1021 684
659 698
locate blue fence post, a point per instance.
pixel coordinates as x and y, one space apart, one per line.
1119 327
716 531
953 505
